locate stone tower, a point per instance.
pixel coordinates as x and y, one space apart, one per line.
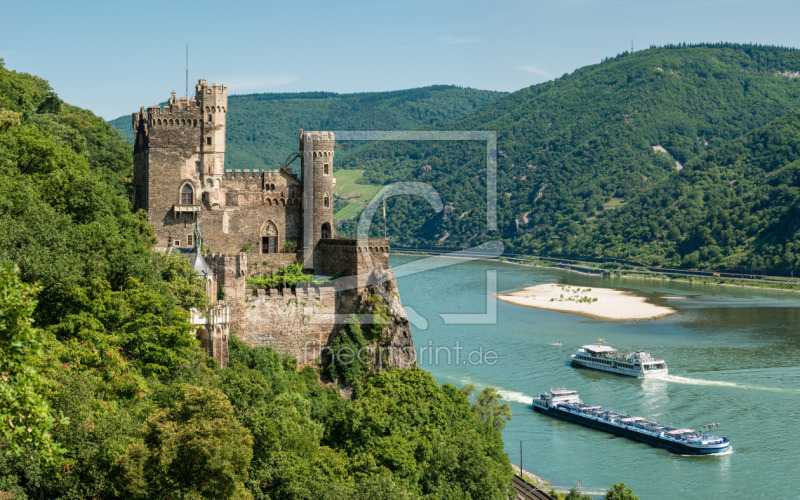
213 104
179 161
318 183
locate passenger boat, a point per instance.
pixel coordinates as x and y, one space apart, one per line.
605 358
567 405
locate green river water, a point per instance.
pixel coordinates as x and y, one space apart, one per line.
733 356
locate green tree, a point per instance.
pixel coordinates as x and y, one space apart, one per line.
574 494
194 446
25 416
488 407
620 491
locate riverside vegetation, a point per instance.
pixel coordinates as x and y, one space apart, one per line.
105 393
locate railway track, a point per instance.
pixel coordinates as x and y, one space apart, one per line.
528 491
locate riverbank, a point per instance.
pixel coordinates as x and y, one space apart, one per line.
537 480
599 303
775 283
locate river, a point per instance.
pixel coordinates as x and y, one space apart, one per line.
733 356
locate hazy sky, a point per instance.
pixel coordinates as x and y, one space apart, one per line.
113 57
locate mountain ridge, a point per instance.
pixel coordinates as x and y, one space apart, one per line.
575 150
262 128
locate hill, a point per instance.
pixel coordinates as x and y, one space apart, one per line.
262 129
735 207
581 158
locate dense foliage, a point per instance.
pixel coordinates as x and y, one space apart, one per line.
589 164
105 393
263 129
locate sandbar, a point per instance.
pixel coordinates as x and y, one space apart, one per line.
600 303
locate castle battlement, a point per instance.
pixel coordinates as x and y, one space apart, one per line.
215 88
372 245
301 291
321 141
189 110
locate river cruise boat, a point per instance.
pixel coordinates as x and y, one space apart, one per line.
605 358
567 405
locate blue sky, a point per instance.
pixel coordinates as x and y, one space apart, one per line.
113 57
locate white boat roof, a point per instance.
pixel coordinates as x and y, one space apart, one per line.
679 431
599 348
630 419
562 392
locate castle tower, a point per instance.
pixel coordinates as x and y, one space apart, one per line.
213 105
179 161
318 183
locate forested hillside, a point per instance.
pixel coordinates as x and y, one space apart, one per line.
105 393
737 206
263 129
589 164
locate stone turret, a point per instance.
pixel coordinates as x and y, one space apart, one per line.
316 153
213 105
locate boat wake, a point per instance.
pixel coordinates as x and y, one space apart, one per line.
718 383
514 396
729 451
695 381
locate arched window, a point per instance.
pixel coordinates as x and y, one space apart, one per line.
187 195
326 202
269 237
209 117
326 230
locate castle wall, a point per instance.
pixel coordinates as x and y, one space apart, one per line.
298 323
302 321
349 257
255 202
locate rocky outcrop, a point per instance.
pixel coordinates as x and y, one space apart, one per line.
395 346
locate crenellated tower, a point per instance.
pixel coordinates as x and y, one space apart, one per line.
179 161
316 153
213 103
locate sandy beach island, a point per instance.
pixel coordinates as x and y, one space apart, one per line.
600 303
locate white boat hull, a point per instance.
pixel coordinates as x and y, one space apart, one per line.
618 370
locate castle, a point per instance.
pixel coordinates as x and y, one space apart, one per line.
253 222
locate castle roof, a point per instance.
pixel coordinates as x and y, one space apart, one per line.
196 260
